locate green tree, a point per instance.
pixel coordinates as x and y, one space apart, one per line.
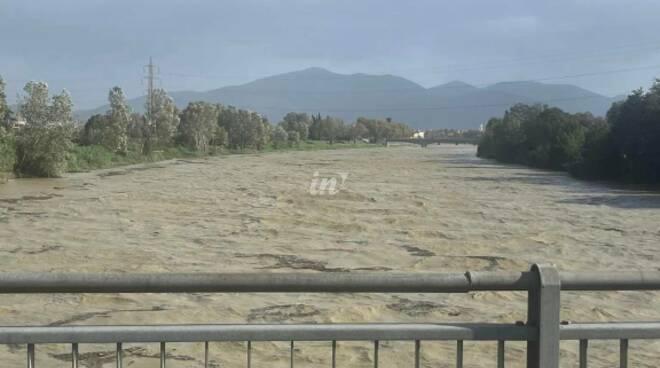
263 129
119 117
554 139
331 128
41 151
219 137
278 137
34 106
42 145
538 136
635 134
244 129
358 131
110 130
95 129
315 128
60 110
162 122
398 131
5 112
7 153
293 138
7 144
598 158
298 122
198 126
378 130
506 139
229 123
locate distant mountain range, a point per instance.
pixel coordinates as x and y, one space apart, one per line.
455 105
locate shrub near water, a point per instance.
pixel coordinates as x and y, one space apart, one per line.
83 158
42 144
7 154
41 151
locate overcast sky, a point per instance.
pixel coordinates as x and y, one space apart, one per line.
89 46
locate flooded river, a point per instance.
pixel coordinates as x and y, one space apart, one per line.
404 208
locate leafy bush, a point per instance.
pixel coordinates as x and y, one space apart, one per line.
244 129
278 137
41 151
7 153
296 122
198 127
83 158
293 138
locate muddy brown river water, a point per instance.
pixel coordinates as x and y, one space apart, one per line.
401 208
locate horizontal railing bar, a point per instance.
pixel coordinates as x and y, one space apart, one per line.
12 283
265 332
610 331
243 282
622 280
319 332
502 281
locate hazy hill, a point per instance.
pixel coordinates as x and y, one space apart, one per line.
570 98
452 105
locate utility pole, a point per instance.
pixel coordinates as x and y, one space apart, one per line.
149 128
150 88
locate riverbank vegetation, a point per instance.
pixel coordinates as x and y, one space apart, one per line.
42 139
624 146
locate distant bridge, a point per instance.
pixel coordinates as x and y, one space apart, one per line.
447 140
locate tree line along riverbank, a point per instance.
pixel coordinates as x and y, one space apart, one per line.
623 147
42 139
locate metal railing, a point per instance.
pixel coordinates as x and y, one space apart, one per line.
543 330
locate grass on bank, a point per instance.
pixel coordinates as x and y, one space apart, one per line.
87 158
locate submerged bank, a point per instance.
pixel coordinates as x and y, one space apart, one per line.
88 158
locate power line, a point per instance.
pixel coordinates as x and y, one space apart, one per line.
650 46
431 108
541 58
466 86
151 71
463 68
589 74
479 66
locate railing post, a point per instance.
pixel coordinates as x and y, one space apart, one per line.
30 356
623 353
120 355
543 308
